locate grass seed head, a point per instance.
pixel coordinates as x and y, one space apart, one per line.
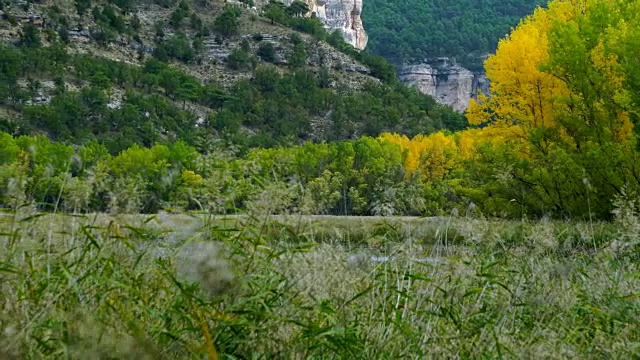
214 273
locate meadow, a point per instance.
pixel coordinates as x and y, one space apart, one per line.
316 287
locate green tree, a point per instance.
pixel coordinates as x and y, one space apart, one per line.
158 27
239 60
298 55
82 6
188 91
276 12
103 36
177 47
226 121
60 85
298 8
198 45
136 23
124 5
214 97
559 83
267 52
380 67
63 32
176 18
30 36
228 22
100 80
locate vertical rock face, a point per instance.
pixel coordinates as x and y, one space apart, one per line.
422 76
447 82
343 15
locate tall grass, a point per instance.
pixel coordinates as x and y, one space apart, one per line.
173 286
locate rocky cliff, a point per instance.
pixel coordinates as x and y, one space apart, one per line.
343 15
446 81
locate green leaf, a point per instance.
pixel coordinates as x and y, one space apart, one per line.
473 291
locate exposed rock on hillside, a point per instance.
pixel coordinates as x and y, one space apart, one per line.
210 63
343 15
446 81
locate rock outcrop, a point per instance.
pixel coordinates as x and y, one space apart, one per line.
343 15
446 81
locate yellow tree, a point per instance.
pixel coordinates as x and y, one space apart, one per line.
561 62
433 155
523 95
564 88
588 54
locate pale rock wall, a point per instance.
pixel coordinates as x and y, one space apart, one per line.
343 15
422 76
448 83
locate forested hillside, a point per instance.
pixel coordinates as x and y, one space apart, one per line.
413 30
129 72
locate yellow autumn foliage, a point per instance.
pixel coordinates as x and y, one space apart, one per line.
468 141
433 155
527 93
524 95
190 179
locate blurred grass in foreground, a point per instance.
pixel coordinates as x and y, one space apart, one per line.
178 286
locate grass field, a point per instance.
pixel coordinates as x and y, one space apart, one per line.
194 287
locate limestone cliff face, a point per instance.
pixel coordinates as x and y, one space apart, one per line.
343 15
447 82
